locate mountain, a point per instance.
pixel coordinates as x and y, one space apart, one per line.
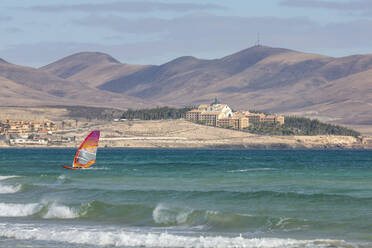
12 94
187 73
261 78
92 68
3 61
21 85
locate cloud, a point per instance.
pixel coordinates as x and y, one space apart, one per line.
211 31
203 36
127 6
360 5
194 26
5 18
13 30
212 36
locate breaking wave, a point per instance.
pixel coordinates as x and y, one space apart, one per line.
18 210
166 215
97 236
7 177
55 211
46 210
163 214
9 189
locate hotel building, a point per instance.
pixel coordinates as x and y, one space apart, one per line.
221 115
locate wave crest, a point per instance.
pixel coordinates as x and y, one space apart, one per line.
7 177
215 220
95 236
55 211
45 210
163 214
9 189
18 210
61 177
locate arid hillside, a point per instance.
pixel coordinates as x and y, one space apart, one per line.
91 68
22 86
262 78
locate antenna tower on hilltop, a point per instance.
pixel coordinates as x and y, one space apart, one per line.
258 42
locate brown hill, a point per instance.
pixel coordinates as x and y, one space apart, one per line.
26 85
262 78
3 61
187 74
12 94
92 68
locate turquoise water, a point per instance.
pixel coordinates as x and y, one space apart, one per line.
186 198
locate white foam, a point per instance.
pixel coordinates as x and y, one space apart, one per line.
212 212
18 210
92 236
9 189
252 169
163 214
56 211
61 177
7 177
282 221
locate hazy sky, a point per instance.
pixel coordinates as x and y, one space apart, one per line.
38 32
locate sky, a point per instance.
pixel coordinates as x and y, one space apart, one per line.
38 32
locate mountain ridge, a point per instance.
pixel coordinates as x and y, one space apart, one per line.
259 77
47 88
90 68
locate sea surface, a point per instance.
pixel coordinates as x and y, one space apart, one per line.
186 198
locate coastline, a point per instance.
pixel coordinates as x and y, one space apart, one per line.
254 142
181 134
237 147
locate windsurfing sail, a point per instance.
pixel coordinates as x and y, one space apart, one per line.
86 154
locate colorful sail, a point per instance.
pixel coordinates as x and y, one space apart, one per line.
86 154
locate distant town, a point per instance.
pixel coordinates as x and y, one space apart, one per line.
21 132
140 124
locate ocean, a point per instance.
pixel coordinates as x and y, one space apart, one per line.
186 198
